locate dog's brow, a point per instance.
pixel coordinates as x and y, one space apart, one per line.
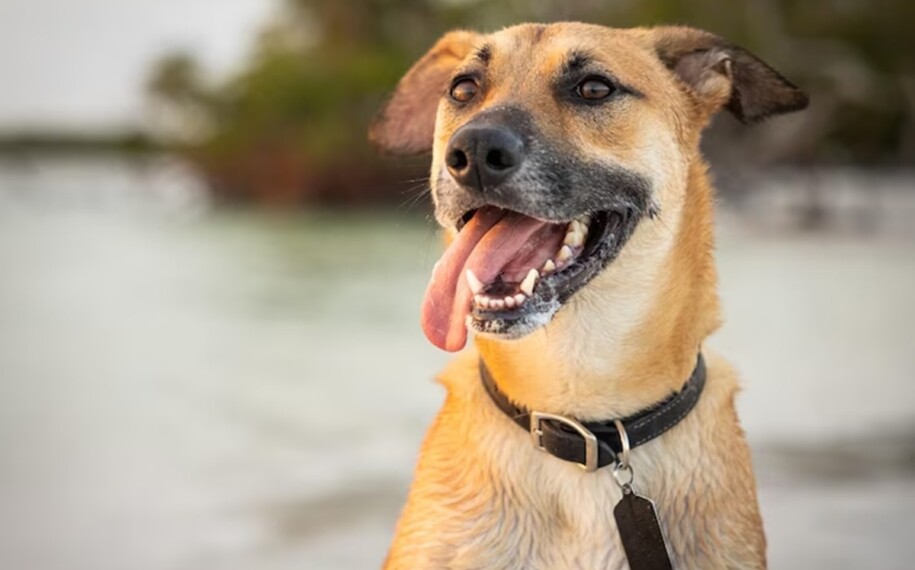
578 60
484 54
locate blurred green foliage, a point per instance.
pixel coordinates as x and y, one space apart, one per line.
291 123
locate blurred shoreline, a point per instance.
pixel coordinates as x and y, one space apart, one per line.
840 199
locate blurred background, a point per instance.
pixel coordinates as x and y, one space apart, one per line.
210 355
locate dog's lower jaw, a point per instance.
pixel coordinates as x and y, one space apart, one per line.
486 498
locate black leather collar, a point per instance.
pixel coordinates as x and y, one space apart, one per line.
593 445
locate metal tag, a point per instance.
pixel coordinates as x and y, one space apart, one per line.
640 530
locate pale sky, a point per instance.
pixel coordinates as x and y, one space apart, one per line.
82 63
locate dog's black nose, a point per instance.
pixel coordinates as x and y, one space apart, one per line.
483 156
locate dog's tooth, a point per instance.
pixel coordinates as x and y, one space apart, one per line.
497 304
565 253
528 284
520 298
475 284
510 302
549 266
478 300
575 234
574 239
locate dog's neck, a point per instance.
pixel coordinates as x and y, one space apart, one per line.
630 338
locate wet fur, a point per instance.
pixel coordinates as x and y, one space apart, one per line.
483 497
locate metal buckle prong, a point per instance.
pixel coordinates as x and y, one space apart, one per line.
590 439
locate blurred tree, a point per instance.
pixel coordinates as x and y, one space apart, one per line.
179 102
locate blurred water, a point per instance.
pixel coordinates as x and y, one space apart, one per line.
183 388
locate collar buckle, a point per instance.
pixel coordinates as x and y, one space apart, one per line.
589 438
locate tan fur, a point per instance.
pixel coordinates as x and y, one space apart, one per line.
483 496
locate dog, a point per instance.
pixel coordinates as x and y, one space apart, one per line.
567 175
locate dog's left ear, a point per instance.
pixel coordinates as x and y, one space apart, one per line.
406 123
720 74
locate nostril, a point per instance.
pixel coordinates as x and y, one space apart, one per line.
456 160
499 159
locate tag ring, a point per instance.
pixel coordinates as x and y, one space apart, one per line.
624 477
622 470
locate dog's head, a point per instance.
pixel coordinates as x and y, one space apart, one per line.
551 146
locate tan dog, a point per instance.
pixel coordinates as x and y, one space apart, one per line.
567 173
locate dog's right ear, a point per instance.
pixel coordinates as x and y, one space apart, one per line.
406 123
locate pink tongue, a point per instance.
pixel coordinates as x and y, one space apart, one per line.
489 241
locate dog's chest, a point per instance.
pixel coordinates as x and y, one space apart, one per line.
555 527
520 509
485 497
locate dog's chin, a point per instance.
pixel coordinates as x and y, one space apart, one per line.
610 233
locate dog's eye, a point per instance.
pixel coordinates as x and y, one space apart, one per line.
464 90
594 89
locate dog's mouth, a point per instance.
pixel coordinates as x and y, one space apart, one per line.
507 274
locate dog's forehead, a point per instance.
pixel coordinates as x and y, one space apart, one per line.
546 49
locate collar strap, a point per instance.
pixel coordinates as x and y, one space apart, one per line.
596 444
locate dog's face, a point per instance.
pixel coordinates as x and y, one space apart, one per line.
551 147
